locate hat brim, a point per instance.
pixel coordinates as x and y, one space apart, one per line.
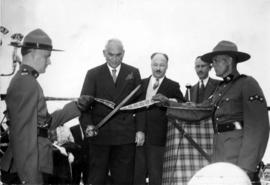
18 45
239 56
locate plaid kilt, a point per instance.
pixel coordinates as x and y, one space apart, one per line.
181 159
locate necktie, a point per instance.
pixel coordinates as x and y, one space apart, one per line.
201 92
114 75
156 84
202 85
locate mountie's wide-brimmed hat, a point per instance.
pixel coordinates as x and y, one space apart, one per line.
38 39
226 48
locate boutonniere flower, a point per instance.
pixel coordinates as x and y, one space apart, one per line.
130 76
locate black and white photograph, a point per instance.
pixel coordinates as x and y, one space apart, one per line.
135 92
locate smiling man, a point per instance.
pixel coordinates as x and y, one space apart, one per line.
149 158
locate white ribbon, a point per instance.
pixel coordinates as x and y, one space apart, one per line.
140 104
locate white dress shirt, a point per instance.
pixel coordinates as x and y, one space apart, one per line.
205 81
117 69
150 91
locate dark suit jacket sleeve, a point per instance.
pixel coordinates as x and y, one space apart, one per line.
256 125
62 116
88 89
177 94
140 113
138 78
140 120
136 81
140 126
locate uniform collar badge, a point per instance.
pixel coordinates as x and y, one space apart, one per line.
26 70
228 78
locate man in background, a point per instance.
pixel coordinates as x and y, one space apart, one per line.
191 159
206 85
149 158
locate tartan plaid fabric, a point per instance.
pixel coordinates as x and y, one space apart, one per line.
182 160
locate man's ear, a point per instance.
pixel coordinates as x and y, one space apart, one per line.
104 53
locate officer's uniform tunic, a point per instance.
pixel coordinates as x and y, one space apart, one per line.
241 122
30 151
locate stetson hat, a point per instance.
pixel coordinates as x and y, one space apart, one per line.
226 48
38 39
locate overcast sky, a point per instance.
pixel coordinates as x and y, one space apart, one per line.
183 29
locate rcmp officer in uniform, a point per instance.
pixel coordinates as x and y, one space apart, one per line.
29 154
240 117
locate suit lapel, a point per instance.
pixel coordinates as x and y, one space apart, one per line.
107 81
163 86
195 93
145 83
120 81
208 89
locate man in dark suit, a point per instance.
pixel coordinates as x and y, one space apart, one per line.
206 86
149 158
113 148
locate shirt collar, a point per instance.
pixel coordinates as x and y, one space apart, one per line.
26 69
117 69
153 79
205 81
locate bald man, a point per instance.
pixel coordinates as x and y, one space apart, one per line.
149 158
113 148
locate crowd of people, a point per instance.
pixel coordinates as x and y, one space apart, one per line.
132 146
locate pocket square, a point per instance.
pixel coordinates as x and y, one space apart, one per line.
129 76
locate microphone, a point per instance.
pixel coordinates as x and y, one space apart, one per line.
188 86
